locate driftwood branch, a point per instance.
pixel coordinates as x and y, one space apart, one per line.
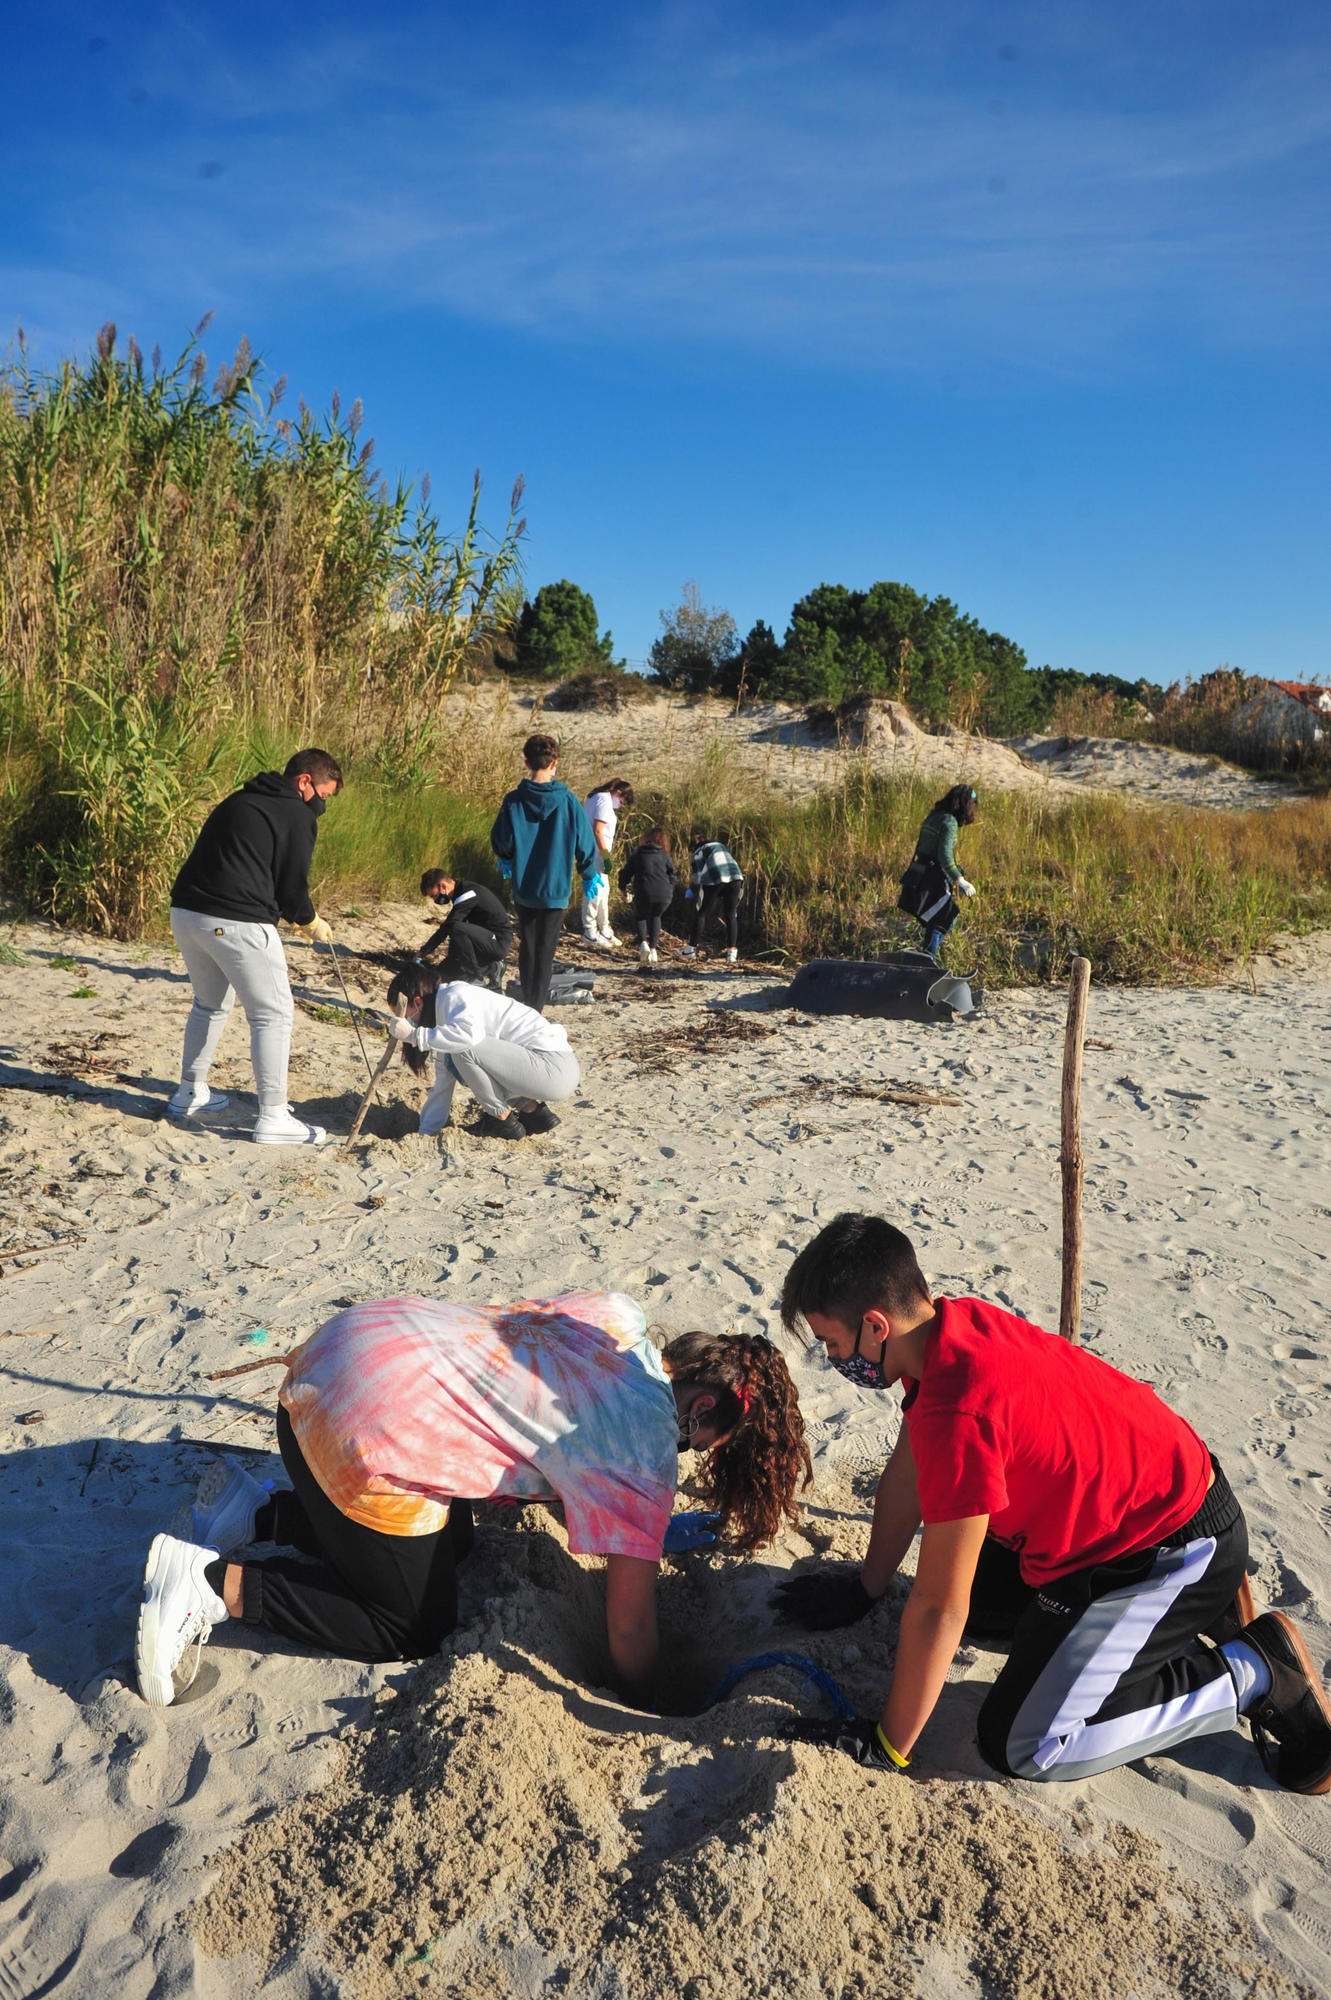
366 1101
1069 1318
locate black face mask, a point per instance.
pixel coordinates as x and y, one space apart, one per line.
317 805
858 1368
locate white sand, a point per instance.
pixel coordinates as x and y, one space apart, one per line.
770 741
1208 1211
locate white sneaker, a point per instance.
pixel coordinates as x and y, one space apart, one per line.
283 1128
651 957
221 1515
179 1610
732 956
689 951
609 940
191 1103
644 954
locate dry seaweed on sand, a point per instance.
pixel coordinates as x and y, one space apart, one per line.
92 1055
888 1090
662 1048
507 1828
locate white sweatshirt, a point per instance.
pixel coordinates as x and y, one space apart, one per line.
465 1015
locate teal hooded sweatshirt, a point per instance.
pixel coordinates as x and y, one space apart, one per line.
543 832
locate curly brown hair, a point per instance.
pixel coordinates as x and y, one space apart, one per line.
754 1476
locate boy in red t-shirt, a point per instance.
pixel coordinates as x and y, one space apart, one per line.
1067 1513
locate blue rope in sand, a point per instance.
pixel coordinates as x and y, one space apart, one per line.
822 1680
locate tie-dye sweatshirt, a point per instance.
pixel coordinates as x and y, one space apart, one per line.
399 1405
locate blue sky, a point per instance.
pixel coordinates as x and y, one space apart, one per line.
1023 304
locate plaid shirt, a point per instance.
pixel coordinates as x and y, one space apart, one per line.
714 864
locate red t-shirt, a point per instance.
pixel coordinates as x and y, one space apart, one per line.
1073 1462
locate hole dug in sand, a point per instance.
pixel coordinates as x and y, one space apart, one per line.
502 1826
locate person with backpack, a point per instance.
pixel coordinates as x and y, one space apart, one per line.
933 881
540 835
650 874
398 1413
1070 1517
511 1059
478 929
715 889
603 808
248 869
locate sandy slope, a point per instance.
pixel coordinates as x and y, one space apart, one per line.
772 742
531 1834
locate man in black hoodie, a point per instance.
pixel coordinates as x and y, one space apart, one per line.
249 866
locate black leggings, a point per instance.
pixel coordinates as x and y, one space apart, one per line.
365 1595
647 921
722 897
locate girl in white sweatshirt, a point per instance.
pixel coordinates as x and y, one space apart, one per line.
512 1060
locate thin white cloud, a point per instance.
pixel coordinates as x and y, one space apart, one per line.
849 195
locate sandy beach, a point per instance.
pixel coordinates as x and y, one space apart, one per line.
493 1821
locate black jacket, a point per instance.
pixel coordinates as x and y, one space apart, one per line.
473 903
251 861
651 872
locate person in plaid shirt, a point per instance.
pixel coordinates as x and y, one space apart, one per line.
717 885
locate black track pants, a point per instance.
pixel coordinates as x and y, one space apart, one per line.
722 899
538 938
1106 1665
474 953
365 1595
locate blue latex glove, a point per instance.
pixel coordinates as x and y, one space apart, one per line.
689 1531
688 895
504 870
594 885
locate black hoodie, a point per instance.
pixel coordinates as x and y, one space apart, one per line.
251 861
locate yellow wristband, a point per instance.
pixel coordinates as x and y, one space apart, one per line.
902 1763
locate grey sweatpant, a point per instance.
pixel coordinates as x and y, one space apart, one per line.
227 961
497 1073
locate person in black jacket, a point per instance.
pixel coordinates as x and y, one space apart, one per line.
249 867
478 930
651 874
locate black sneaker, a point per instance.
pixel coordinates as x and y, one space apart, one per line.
1294 1712
491 1127
539 1119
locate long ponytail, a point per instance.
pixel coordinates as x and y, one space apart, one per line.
416 982
754 1476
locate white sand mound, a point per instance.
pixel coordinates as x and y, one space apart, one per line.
501 1828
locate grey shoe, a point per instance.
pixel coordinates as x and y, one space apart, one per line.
221 1514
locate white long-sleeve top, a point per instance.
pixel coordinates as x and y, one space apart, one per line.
465 1015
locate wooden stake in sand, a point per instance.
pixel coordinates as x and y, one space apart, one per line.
359 1119
1069 1317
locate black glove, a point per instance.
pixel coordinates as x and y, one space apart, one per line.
854 1734
822 1600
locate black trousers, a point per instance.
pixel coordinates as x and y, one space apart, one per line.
647 921
538 939
722 899
1107 1665
476 954
362 1595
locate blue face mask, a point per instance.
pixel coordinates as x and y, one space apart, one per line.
858 1368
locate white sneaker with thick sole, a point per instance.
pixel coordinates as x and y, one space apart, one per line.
732 956
197 1104
221 1514
652 958
283 1128
179 1611
609 940
644 954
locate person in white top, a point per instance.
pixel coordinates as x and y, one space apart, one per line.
603 808
512 1060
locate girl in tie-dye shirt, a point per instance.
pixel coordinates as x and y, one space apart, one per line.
399 1412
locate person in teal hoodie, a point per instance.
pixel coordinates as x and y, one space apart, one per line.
540 835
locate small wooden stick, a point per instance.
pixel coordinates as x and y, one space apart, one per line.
1069 1317
359 1120
248 1367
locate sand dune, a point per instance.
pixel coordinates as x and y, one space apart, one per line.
490 1822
